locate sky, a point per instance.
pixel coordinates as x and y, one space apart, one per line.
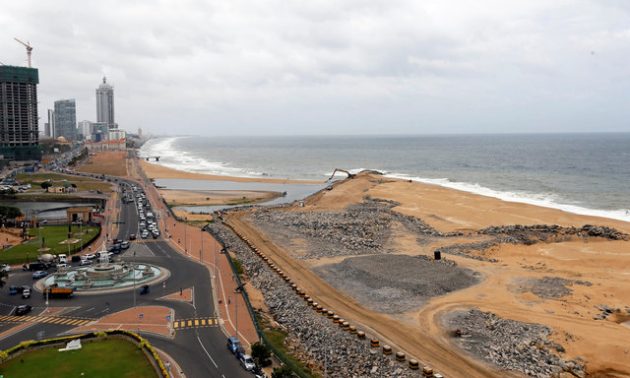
271 67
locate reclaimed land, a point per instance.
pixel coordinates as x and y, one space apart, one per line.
550 285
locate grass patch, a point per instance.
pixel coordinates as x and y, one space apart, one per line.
238 266
274 338
82 183
112 357
52 235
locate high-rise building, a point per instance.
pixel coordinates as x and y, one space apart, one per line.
105 104
85 130
19 135
66 119
50 125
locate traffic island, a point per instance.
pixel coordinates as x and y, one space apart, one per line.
128 355
155 320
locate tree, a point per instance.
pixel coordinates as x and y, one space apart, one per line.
282 372
261 354
45 185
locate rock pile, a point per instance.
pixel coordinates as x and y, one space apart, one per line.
509 344
519 234
338 352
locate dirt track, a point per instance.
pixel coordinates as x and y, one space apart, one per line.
424 346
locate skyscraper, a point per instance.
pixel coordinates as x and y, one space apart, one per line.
50 130
66 119
19 135
105 104
85 130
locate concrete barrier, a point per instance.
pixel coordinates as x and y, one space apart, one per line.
352 329
400 356
414 364
335 318
330 314
427 371
361 334
387 350
374 343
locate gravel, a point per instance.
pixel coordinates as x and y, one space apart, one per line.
546 287
396 283
323 342
510 344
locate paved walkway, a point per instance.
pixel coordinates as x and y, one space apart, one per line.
151 319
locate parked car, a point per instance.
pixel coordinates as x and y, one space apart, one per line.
90 256
62 266
39 274
5 268
144 234
76 258
26 293
13 290
125 245
233 344
23 309
247 362
85 262
132 236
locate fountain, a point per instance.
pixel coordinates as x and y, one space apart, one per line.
105 276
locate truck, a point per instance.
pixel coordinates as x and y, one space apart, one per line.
59 292
35 266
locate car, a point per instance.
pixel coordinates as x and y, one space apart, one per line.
125 245
23 310
233 344
5 268
132 236
144 289
145 234
39 274
85 262
90 256
76 258
247 362
26 293
62 258
62 266
13 290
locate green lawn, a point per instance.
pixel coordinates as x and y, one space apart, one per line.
82 183
52 235
111 357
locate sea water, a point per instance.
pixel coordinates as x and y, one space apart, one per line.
580 173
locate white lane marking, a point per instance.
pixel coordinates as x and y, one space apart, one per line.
207 354
193 298
90 309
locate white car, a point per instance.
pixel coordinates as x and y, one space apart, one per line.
85 262
90 256
62 265
247 362
5 268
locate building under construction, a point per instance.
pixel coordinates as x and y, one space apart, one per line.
19 135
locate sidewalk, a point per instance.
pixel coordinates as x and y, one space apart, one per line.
202 247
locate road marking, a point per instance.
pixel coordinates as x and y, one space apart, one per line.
189 323
207 354
203 322
194 323
63 320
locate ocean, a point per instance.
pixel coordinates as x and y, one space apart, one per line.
581 173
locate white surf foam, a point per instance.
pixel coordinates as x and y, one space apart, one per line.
171 157
543 200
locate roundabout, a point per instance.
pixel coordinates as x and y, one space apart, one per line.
104 277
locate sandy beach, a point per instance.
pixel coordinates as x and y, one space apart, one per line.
156 171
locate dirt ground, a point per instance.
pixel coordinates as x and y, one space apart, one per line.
112 163
10 236
520 285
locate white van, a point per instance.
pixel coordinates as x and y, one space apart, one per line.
63 259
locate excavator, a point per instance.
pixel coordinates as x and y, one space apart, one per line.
350 175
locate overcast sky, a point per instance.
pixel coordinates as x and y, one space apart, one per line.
333 67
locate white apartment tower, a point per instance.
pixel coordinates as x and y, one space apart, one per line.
105 104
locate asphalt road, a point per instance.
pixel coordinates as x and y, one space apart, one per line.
201 352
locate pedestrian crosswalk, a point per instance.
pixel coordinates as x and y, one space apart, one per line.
46 319
195 323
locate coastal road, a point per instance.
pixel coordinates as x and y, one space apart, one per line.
200 351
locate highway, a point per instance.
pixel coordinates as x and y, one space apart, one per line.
200 351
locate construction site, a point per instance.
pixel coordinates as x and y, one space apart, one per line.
389 277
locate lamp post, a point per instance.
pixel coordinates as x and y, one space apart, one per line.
185 236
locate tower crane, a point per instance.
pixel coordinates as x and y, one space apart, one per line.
29 50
